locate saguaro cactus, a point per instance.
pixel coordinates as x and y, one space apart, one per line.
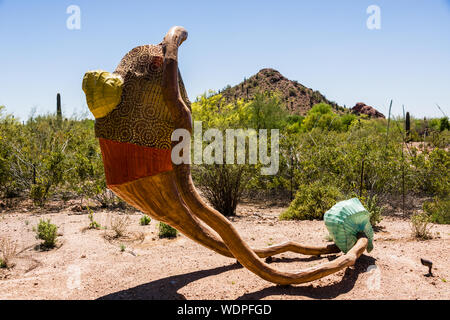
58 107
407 125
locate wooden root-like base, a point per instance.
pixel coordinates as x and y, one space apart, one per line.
158 196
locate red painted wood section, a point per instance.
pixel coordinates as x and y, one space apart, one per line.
126 162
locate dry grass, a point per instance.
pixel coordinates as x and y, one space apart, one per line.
8 250
138 236
119 225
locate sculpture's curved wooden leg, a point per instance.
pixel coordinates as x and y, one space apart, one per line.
138 192
249 259
177 214
197 206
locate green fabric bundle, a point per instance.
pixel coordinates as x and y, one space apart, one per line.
345 220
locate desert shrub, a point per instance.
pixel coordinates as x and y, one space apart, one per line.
12 183
311 202
321 116
8 250
42 150
119 225
432 172
107 198
441 139
347 120
374 209
38 194
47 232
438 210
145 220
420 225
92 223
166 231
222 185
444 124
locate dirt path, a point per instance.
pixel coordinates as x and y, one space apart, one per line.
88 266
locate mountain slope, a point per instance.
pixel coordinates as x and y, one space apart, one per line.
298 98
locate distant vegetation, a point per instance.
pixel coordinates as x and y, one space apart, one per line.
324 156
46 157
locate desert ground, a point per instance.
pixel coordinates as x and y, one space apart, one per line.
90 264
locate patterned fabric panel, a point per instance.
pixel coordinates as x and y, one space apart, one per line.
126 162
142 116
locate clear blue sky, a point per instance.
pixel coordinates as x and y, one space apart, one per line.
324 45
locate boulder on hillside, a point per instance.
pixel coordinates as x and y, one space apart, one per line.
362 108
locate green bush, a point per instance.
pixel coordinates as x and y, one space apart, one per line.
444 124
312 201
374 209
439 210
145 220
432 172
166 231
420 226
47 232
38 194
321 116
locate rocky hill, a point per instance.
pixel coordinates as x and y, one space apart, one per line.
298 98
361 108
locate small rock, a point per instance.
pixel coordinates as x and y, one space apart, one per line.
83 256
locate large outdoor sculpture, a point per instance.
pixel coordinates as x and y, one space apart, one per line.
136 109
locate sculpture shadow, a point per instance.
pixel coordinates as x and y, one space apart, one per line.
328 292
167 288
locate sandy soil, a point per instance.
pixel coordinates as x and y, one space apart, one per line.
88 265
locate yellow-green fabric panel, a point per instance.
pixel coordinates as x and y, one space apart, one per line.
103 91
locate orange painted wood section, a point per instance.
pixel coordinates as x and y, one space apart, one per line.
125 162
